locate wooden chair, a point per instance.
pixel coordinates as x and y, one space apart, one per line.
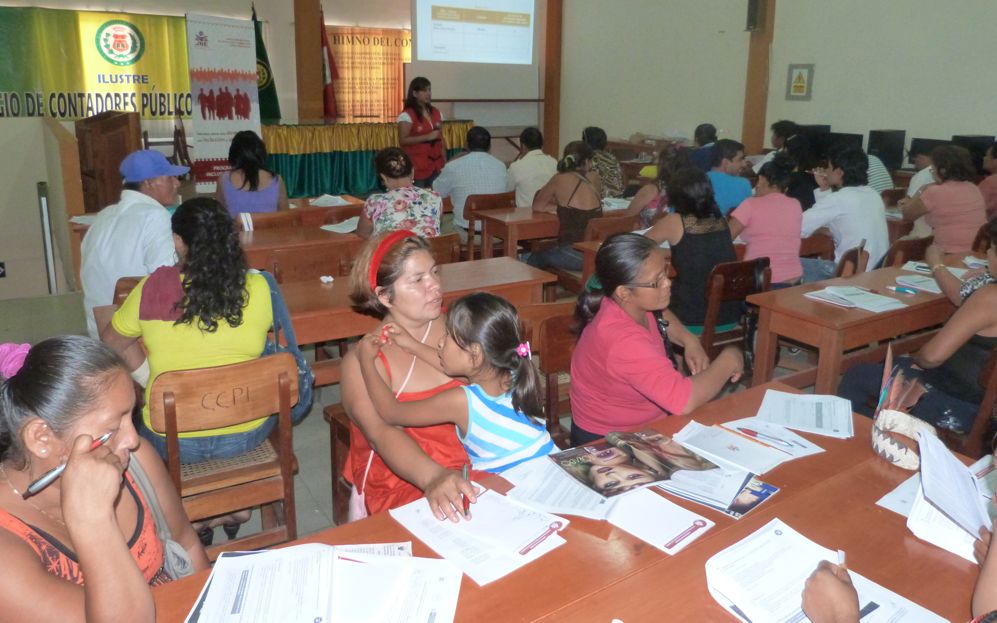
181 155
597 230
819 245
445 248
478 203
339 448
313 261
731 281
853 262
982 241
556 345
907 250
194 400
123 287
269 220
556 400
892 196
977 441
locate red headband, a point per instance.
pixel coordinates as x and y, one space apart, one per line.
382 249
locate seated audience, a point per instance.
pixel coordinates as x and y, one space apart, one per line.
924 177
879 176
703 138
953 207
404 205
531 169
782 132
849 208
623 375
700 239
950 364
651 201
989 184
801 185
729 188
574 195
250 186
604 163
131 237
474 172
395 279
85 547
769 223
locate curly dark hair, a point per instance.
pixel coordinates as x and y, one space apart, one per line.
214 268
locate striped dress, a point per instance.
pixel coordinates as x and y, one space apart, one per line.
499 437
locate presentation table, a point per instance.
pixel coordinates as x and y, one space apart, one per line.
833 330
603 573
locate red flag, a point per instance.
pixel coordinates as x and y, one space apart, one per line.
329 74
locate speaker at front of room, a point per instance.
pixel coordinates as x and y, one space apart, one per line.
888 146
755 15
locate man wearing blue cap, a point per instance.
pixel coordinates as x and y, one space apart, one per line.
132 237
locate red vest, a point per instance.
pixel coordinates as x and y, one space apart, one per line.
427 158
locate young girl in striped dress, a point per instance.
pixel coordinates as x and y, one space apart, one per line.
494 414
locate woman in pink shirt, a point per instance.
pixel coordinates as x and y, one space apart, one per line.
770 223
622 373
954 206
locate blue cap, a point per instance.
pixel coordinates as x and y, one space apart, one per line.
146 164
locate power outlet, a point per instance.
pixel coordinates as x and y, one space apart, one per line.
3 269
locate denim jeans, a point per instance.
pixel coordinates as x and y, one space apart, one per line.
563 256
815 269
197 449
861 385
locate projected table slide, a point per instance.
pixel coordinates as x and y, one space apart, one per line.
475 31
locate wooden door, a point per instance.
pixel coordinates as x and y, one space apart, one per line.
104 141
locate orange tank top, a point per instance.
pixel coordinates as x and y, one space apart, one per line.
384 490
60 561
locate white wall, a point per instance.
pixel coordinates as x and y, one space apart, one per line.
651 66
20 223
916 65
368 13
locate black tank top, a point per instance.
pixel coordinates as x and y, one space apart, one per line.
704 244
573 221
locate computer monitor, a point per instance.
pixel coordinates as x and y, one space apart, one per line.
977 145
923 146
888 146
816 134
836 140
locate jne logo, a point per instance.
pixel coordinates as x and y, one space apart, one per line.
120 42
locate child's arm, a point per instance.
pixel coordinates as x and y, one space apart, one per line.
403 339
449 406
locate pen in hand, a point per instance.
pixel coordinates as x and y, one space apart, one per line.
50 476
466 501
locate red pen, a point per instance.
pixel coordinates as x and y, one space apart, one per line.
464 499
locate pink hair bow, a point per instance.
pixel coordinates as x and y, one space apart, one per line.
523 350
12 357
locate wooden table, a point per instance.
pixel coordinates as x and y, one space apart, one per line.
259 243
834 330
602 571
897 228
318 215
322 313
513 226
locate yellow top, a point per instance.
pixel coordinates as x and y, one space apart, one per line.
650 172
185 347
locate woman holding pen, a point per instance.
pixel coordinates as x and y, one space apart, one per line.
85 547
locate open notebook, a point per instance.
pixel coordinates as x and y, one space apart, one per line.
854 296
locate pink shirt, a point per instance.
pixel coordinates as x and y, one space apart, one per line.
621 377
989 189
955 212
772 227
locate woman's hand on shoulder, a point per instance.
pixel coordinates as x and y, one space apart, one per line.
444 493
90 485
400 337
370 345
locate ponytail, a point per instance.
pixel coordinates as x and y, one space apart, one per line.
525 384
576 154
617 263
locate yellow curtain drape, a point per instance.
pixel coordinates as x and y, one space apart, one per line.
310 139
369 62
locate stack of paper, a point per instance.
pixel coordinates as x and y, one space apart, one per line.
541 484
501 536
854 296
760 579
328 201
808 413
356 583
715 488
921 267
729 450
925 283
346 227
901 499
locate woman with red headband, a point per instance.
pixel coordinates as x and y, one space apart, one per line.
396 279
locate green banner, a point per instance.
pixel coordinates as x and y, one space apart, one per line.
75 64
269 106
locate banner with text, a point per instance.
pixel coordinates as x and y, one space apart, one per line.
371 76
74 64
222 54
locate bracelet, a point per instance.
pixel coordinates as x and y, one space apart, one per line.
937 266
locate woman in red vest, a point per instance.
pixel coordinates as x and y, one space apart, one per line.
420 132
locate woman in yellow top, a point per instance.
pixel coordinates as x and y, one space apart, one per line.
206 311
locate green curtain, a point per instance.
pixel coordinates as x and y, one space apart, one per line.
334 173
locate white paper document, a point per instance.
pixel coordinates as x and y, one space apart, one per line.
951 486
973 262
809 413
328 201
774 435
612 204
713 487
761 578
924 269
346 227
542 484
658 521
728 450
901 499
853 296
931 525
501 536
925 283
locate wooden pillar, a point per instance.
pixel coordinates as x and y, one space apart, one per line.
552 78
308 59
756 88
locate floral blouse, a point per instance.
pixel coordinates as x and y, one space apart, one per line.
412 208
